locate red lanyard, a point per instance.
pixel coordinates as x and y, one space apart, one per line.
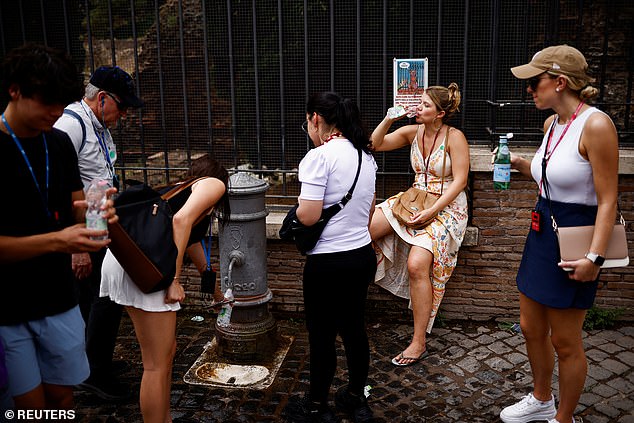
547 154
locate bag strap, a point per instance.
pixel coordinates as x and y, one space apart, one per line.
444 155
550 204
74 114
180 188
444 159
348 195
177 189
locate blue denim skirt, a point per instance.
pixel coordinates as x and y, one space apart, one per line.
539 277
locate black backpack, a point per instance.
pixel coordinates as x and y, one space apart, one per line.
142 239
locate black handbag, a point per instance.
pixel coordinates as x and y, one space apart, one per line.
142 240
306 237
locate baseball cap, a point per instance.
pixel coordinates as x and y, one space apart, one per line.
560 60
116 81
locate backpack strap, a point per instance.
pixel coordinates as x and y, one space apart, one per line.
177 189
74 114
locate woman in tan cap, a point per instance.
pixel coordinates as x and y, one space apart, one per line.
579 158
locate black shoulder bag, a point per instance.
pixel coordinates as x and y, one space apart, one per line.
306 237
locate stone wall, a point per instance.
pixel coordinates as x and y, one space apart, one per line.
483 284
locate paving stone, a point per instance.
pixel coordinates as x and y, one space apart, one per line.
627 330
625 342
594 341
598 372
473 371
499 348
593 418
596 354
515 340
470 364
501 334
626 357
480 353
610 348
621 385
604 390
516 358
498 363
614 366
589 399
608 410
623 403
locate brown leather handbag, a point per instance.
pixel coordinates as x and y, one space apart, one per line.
414 199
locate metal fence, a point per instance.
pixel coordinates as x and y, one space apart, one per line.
232 77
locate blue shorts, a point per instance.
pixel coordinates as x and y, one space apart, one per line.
51 350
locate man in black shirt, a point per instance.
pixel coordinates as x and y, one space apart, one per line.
41 328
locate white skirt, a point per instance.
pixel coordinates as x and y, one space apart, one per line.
116 284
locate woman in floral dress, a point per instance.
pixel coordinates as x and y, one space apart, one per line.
416 263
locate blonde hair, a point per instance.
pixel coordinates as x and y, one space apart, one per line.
446 99
579 84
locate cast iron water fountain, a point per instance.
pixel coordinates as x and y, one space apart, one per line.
248 351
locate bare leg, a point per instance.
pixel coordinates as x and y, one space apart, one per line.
536 331
419 265
32 400
156 333
379 226
566 326
46 396
58 396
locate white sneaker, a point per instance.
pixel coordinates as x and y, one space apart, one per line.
557 421
529 409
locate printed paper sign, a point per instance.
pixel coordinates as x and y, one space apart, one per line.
410 81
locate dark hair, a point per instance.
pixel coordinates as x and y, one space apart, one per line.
42 72
343 113
207 166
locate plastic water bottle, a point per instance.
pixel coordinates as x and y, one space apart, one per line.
96 198
502 165
224 316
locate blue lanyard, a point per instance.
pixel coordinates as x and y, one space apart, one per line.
102 143
44 195
104 149
207 249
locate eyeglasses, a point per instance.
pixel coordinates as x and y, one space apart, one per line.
122 107
305 127
533 82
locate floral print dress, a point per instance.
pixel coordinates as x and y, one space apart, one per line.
442 237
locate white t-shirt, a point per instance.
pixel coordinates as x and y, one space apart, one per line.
327 173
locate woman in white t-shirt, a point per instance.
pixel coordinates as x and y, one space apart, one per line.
154 315
341 266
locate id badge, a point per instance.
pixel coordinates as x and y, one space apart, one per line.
536 221
208 281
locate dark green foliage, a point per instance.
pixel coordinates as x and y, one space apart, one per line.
600 318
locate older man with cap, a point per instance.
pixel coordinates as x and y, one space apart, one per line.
107 98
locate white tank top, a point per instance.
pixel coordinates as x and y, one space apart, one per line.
569 175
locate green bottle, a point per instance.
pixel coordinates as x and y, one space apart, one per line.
502 166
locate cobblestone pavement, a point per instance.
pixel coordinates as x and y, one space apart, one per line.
473 370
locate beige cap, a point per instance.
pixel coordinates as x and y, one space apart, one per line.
561 60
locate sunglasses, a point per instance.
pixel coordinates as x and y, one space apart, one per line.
122 107
305 127
533 82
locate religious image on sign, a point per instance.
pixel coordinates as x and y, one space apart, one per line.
410 81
